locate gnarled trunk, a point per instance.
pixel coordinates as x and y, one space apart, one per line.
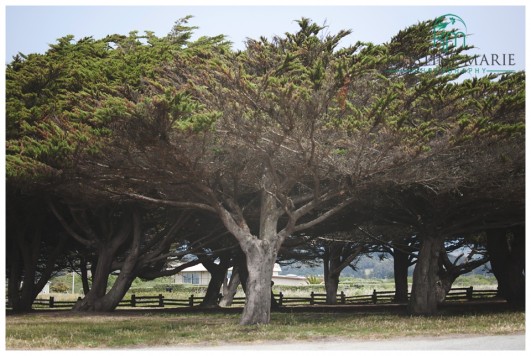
331 277
401 265
261 256
507 258
212 292
25 279
217 276
98 299
230 288
450 270
331 287
445 285
337 257
100 280
426 289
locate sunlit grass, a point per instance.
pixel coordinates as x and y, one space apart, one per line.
63 330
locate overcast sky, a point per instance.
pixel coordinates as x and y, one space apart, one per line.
29 29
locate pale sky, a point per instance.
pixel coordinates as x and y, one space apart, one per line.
493 29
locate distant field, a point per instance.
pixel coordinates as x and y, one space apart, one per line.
350 286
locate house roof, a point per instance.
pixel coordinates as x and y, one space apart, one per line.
200 268
196 268
276 268
290 277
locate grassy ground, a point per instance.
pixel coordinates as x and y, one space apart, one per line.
64 330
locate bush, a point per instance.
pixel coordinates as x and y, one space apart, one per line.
314 280
59 287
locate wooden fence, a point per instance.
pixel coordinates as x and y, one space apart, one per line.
159 301
455 294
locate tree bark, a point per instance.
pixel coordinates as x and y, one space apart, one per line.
26 280
261 249
100 280
426 284
507 263
230 289
261 257
98 299
217 276
14 283
337 257
445 285
331 277
331 286
84 275
450 270
401 265
214 286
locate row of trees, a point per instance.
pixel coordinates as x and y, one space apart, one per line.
131 151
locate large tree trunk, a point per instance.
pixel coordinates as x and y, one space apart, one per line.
450 270
507 258
100 278
217 276
260 253
98 299
401 265
214 286
25 282
425 292
446 281
331 277
261 257
111 299
331 286
336 258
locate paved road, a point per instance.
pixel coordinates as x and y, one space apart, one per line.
466 342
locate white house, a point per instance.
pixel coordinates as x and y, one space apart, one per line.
199 275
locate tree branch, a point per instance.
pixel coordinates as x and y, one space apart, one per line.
177 204
288 231
69 229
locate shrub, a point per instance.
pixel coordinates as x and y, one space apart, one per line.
59 287
314 280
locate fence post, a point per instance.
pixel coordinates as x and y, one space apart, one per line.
374 296
280 298
51 302
343 297
161 300
469 292
133 300
312 298
191 301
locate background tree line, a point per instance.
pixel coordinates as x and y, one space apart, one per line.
128 153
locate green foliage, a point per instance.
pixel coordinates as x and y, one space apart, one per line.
314 280
319 115
59 287
81 95
68 102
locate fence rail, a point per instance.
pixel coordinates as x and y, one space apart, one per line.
52 303
160 301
